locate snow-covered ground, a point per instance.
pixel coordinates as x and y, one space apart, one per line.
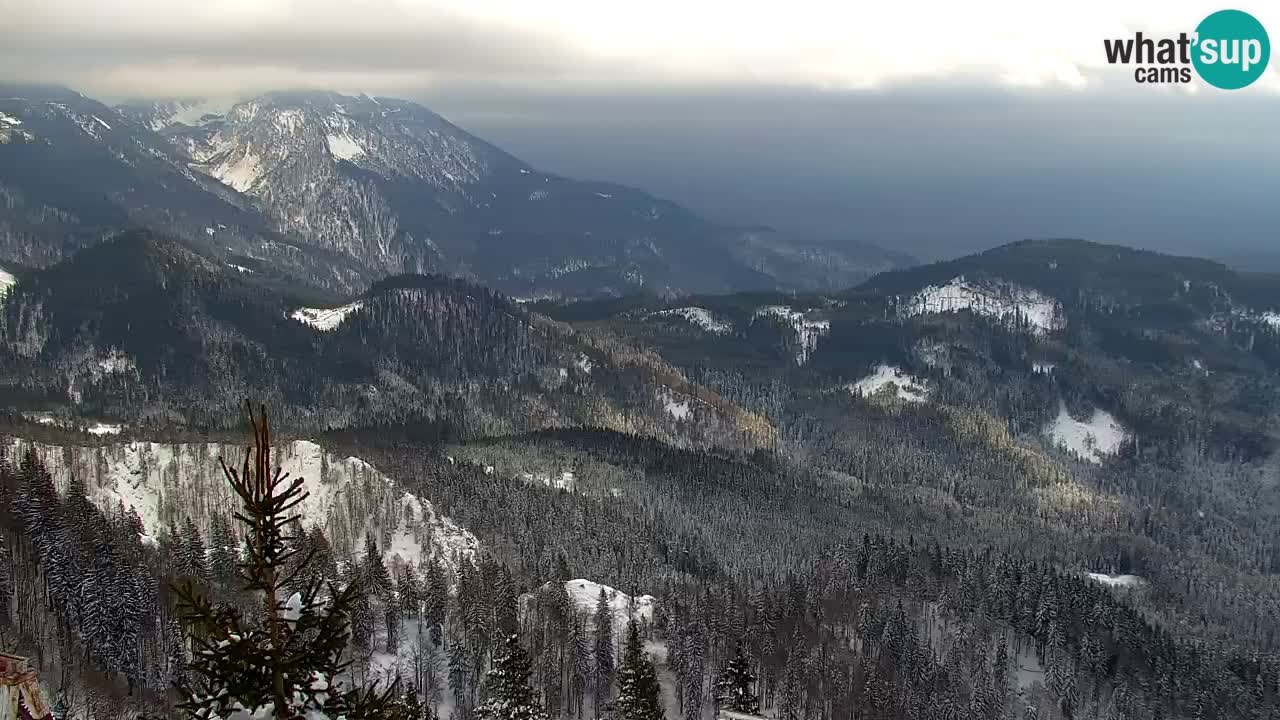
1121 581
1004 302
344 147
1091 441
346 496
325 318
677 406
905 386
807 330
585 594
1043 368
7 281
700 317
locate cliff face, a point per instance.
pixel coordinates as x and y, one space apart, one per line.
347 497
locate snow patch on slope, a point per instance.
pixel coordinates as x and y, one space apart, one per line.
343 146
9 120
241 173
1123 581
1006 302
7 281
585 594
325 319
1091 441
698 316
904 385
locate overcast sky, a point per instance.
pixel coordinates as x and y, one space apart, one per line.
932 127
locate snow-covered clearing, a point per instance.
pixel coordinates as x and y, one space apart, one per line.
887 378
325 319
1092 441
585 595
1001 301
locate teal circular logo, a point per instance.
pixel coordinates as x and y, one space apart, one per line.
1232 49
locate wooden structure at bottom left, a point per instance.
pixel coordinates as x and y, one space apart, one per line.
20 696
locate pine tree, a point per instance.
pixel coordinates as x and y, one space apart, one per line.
603 651
222 551
377 579
435 600
736 688
195 558
283 664
510 697
638 690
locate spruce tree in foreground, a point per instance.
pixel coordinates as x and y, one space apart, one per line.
638 690
284 663
736 689
509 695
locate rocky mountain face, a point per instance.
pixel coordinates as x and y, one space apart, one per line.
74 172
400 189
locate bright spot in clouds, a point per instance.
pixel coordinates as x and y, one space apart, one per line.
163 46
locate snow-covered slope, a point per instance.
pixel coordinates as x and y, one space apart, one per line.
887 378
585 595
700 317
325 318
7 281
1091 441
347 496
1003 301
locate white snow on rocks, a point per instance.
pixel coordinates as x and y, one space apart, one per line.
1090 441
346 496
325 319
1043 368
1121 581
343 146
104 429
807 331
9 119
888 378
698 316
1005 302
240 173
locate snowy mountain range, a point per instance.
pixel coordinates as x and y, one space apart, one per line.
341 190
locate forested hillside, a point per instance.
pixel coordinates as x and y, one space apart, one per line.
1015 486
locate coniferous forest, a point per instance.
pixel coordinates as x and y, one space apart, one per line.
453 505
